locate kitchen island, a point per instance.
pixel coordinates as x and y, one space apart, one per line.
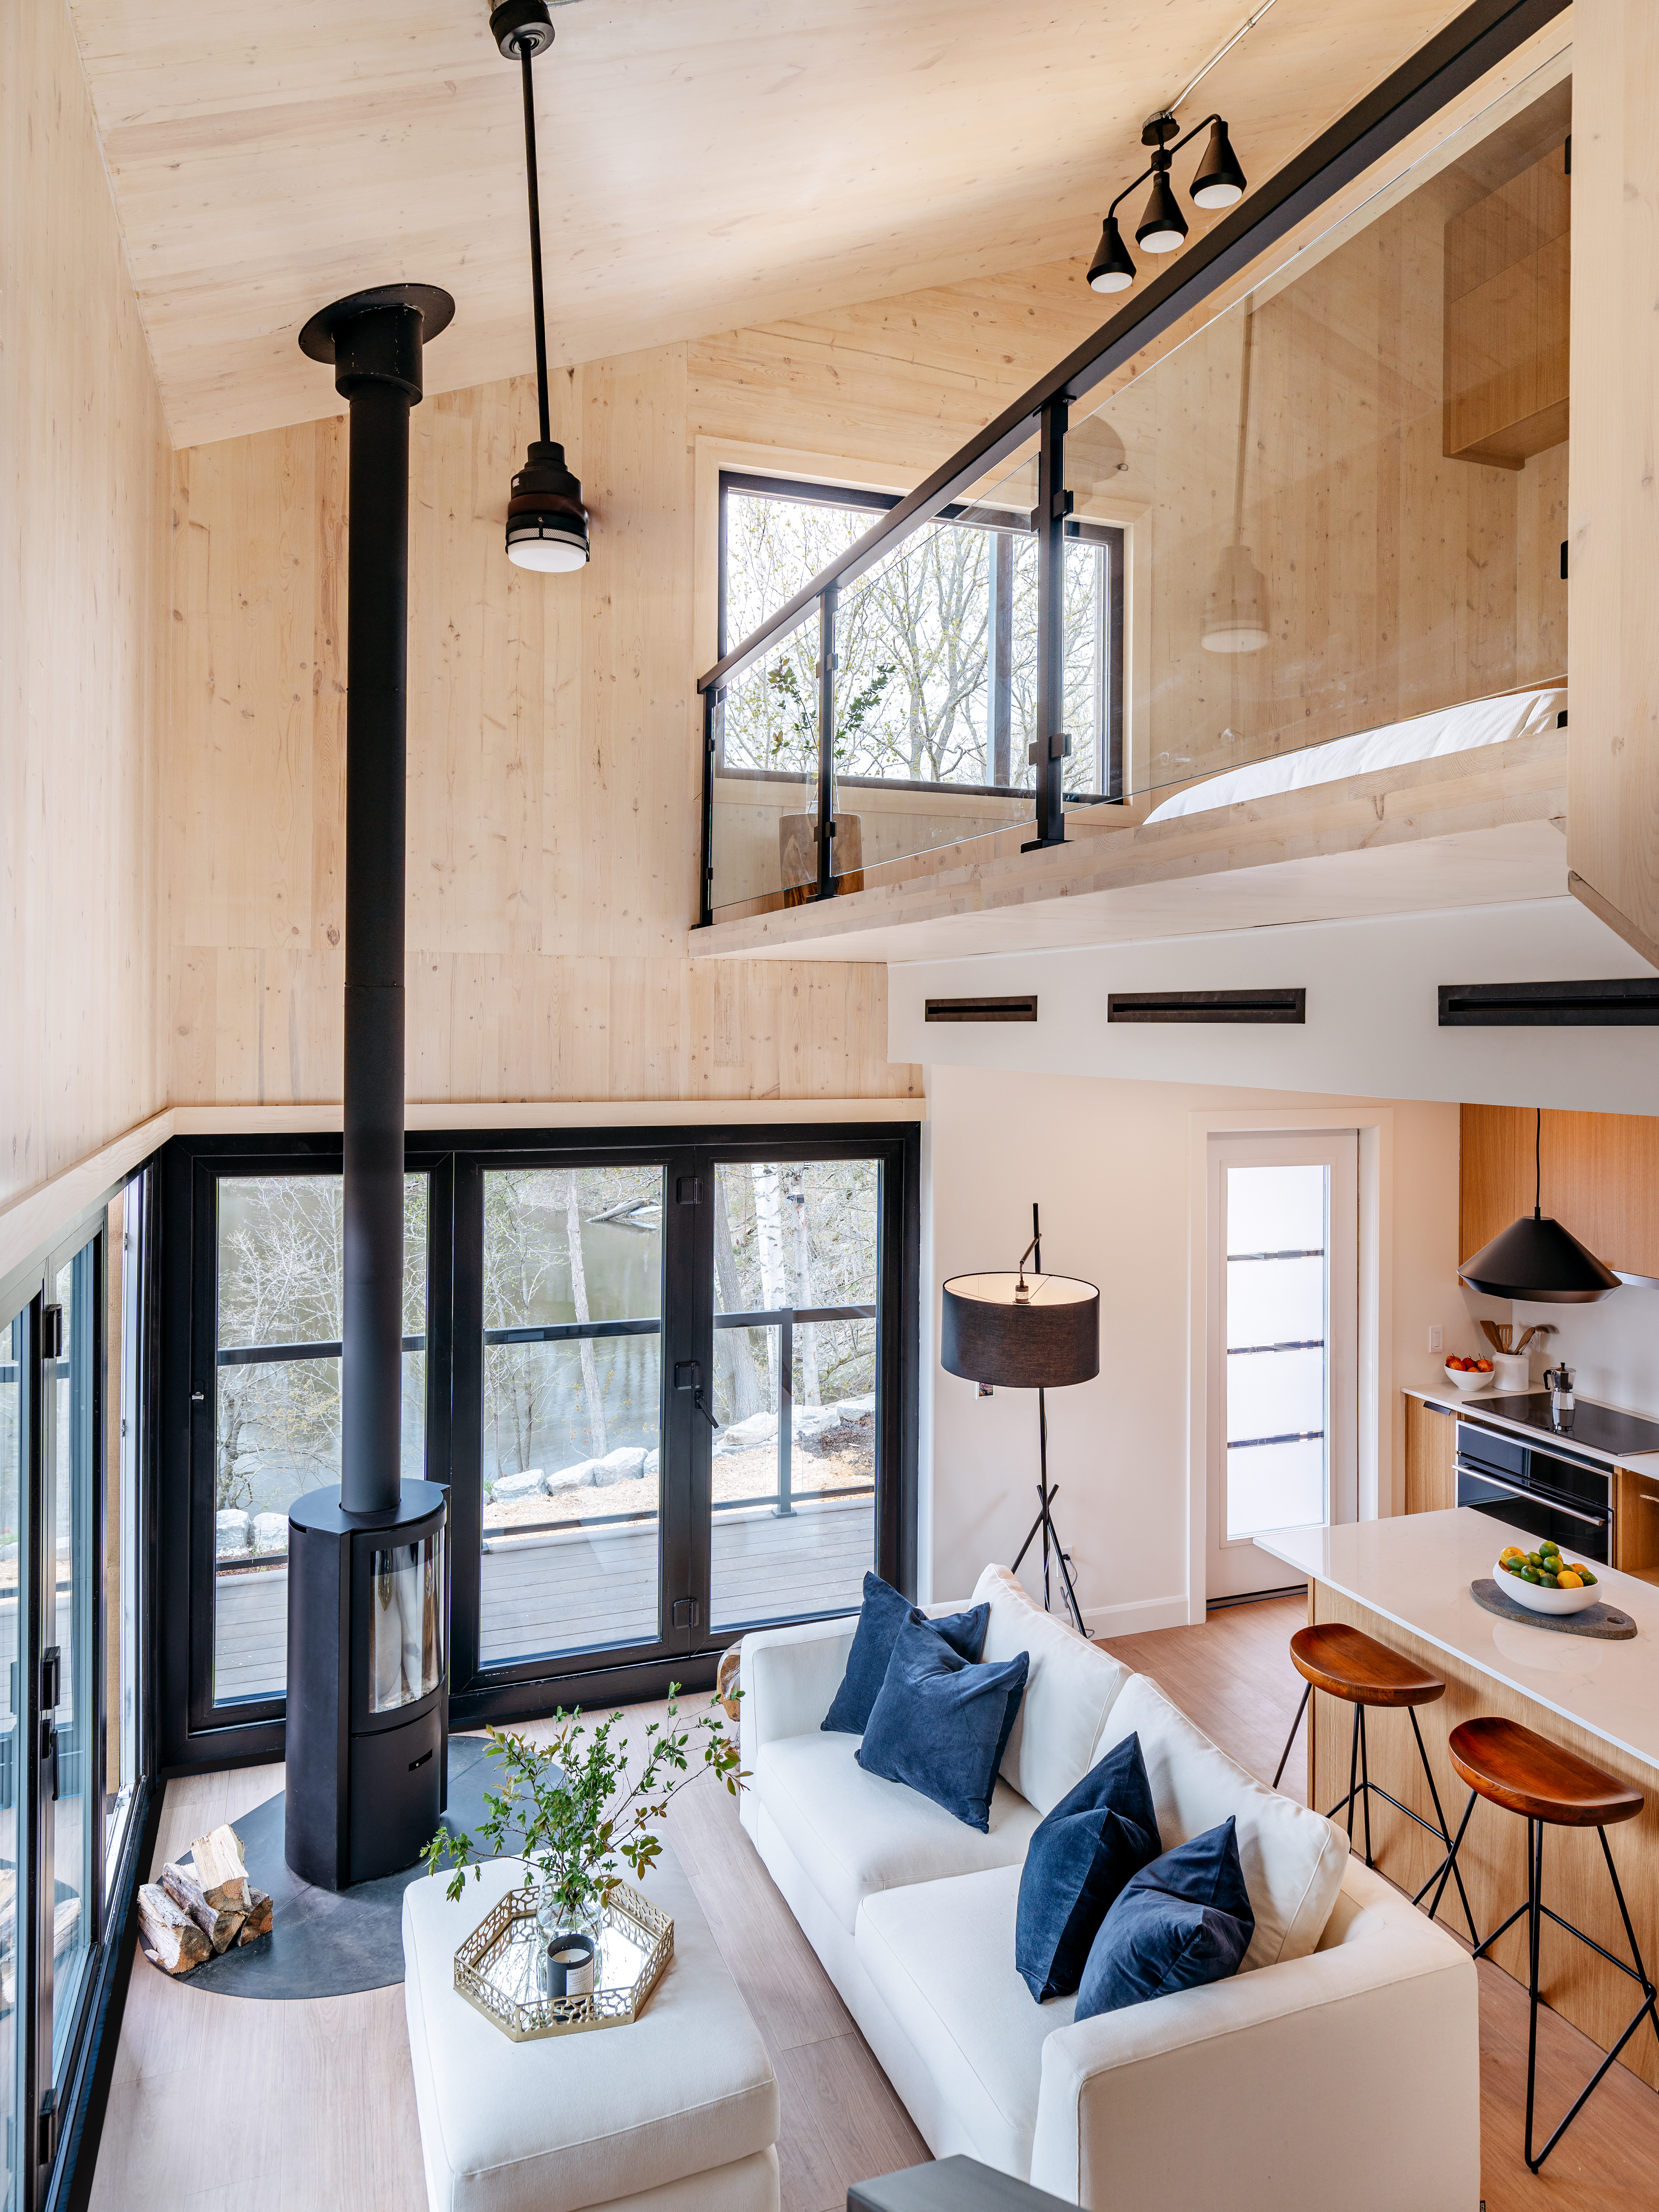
1406 1581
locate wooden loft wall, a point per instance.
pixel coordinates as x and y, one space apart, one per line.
555 728
83 610
1613 812
1600 1177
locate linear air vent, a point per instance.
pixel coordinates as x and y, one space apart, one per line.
1207 1006
983 1009
1621 1002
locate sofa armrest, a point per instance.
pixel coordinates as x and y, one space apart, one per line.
1351 2077
789 1677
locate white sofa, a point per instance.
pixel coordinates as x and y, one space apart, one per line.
1340 2066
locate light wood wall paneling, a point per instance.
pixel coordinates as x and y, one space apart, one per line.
1493 1858
83 624
1600 1179
1612 818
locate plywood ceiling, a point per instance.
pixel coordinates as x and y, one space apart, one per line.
705 164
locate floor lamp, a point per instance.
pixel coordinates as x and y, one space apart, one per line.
1039 1334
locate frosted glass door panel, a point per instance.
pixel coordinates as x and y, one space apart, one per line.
1278 1362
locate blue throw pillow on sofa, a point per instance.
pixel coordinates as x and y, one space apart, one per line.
884 1614
1182 1921
940 1722
1101 1831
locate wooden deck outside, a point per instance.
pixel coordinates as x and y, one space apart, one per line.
583 1590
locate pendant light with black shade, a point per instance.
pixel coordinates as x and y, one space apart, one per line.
1538 1259
1162 227
546 521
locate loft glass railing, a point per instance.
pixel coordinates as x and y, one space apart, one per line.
1219 537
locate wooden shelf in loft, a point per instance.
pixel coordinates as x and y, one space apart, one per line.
1506 312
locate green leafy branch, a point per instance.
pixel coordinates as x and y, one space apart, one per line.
562 1810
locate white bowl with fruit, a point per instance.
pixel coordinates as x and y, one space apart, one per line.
1466 1375
1546 1580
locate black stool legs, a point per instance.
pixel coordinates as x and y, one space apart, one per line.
1536 1913
1361 1786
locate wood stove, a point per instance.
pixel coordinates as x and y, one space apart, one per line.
367 1716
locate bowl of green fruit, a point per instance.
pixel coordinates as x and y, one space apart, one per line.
1545 1580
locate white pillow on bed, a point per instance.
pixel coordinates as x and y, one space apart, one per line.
1425 737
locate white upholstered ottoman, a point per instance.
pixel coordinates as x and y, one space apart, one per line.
675 2112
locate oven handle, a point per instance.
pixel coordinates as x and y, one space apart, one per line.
1534 1497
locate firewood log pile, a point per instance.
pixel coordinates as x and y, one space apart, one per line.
203 1904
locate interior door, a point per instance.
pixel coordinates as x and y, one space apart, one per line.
1283 1323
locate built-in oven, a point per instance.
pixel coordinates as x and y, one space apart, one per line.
1546 1493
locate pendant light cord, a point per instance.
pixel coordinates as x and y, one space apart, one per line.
527 52
1244 421
1538 1166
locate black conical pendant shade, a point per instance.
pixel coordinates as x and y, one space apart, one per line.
1538 1259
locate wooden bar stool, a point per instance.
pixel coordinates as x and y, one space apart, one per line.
1524 1772
1347 1663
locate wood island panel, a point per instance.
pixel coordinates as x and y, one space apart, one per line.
1430 1458
1574 1982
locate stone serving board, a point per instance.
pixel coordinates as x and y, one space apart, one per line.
1604 1622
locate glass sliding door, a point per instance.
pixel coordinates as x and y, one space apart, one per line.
797 1371
572 1412
15 1417
275 1410
69 1624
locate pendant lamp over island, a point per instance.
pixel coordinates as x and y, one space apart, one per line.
1538 1259
546 521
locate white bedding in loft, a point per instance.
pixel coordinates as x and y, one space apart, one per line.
1425 737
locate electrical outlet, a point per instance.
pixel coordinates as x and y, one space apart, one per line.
1436 1338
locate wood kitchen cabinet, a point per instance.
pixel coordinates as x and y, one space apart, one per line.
1431 1459
1636 1523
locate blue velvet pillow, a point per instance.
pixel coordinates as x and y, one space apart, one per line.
884 1614
1101 1832
939 1722
1182 1921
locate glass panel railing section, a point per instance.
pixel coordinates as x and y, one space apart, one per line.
763 828
1342 499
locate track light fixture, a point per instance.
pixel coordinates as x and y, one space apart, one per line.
546 521
1162 227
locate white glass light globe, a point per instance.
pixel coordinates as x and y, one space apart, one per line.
1221 194
1160 242
1111 280
551 556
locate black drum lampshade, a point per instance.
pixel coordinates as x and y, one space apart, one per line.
1036 1332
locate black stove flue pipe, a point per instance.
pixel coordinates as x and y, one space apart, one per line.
375 340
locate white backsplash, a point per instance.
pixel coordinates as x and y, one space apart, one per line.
1612 1347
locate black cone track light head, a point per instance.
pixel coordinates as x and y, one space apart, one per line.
1112 269
1219 181
1163 227
546 521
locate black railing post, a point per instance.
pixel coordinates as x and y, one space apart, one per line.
784 1507
827 741
1051 744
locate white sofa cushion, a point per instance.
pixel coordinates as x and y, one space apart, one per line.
1071 1689
1292 1859
942 1958
856 1834
576 2120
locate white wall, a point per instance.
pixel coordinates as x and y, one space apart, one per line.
1110 1163
1612 1347
1372 1027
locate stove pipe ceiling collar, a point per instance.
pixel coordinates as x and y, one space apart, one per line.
546 521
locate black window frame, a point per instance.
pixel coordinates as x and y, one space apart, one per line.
195 1732
997 522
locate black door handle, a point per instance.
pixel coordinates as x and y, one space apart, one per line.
49 1751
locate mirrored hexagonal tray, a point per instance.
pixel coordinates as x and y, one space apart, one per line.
497 1970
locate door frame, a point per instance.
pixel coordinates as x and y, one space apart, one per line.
1374 1359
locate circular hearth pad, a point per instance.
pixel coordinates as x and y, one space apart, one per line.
324 1943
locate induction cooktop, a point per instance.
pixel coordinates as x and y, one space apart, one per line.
1600 1427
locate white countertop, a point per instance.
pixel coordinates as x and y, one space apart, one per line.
1416 1568
1480 1406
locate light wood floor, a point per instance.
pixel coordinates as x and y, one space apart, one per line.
222 2105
